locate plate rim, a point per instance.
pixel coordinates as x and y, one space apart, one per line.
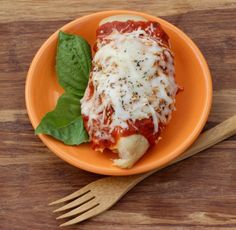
123 172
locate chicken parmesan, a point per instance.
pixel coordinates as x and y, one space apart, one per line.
131 91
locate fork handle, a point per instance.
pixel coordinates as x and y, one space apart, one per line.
207 139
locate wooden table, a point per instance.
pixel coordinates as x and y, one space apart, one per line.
199 193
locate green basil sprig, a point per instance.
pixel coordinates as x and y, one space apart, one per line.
73 65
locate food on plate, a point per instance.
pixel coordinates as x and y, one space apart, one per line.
123 97
131 89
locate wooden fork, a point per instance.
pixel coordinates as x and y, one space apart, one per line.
100 195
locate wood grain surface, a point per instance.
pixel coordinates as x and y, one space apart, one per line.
199 193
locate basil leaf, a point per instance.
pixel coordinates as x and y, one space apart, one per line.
65 122
73 63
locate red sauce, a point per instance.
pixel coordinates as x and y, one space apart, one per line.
129 26
145 126
91 89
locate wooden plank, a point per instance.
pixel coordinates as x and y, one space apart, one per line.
36 11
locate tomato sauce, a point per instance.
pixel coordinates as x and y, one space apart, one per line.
129 26
150 27
144 127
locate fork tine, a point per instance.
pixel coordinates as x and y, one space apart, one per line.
81 209
84 216
75 194
79 201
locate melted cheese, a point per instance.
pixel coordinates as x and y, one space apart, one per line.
134 75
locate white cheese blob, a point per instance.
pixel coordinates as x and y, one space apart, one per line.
133 74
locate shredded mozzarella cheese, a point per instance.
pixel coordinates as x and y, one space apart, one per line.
133 74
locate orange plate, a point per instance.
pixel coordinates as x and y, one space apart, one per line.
193 104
